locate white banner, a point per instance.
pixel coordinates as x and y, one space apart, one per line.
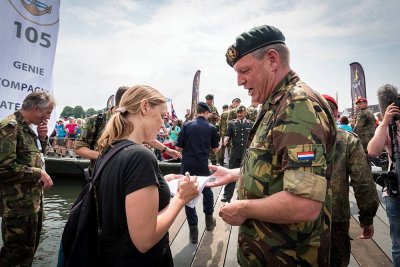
28 40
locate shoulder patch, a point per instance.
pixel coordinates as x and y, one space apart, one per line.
297 94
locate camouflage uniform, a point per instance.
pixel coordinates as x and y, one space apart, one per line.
365 127
213 156
88 132
21 196
293 122
252 113
232 114
350 161
223 123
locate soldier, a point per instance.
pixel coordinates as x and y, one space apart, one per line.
223 124
284 207
238 132
232 112
350 168
365 123
213 119
23 178
86 145
252 113
210 103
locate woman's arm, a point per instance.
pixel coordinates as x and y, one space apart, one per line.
146 225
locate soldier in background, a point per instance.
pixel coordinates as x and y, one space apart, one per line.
252 112
213 119
210 103
86 145
238 132
284 200
350 168
232 112
23 178
365 123
223 124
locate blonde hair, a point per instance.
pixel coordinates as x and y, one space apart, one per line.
119 126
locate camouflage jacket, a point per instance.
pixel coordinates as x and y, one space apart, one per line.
351 168
20 167
291 148
223 123
365 126
232 114
251 113
88 132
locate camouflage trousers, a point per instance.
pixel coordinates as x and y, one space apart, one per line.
21 237
221 155
340 244
213 158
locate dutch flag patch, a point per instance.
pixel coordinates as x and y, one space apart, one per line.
308 155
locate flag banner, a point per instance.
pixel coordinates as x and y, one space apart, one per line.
173 113
195 94
28 31
358 88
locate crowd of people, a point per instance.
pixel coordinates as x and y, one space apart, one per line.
293 164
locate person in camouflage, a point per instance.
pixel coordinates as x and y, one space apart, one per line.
223 122
285 203
252 113
23 178
350 168
213 119
86 145
365 123
232 112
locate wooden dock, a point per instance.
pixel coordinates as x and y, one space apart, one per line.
218 247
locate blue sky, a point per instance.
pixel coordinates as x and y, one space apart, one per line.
105 44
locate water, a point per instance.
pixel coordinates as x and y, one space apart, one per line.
57 203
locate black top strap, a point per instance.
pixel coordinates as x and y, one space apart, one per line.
103 161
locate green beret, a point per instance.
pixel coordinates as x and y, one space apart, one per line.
252 40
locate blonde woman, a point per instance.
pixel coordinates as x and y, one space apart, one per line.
134 199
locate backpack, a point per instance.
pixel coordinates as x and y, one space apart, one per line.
80 241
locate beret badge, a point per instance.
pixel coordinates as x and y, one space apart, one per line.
231 56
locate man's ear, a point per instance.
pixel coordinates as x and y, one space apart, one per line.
273 59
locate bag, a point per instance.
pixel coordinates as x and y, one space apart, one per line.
80 239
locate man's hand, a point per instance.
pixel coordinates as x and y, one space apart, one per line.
222 175
45 180
367 232
42 130
230 213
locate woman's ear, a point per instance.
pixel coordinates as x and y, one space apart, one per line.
144 106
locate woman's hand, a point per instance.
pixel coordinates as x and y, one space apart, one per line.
188 188
170 177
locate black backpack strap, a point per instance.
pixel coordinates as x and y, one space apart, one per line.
113 150
99 121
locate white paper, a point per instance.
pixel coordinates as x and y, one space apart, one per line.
173 187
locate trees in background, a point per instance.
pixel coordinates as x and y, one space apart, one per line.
79 112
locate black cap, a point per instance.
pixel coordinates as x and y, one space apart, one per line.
204 106
209 97
252 40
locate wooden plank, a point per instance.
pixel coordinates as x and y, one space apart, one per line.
177 225
381 229
212 249
353 262
231 256
182 250
366 251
